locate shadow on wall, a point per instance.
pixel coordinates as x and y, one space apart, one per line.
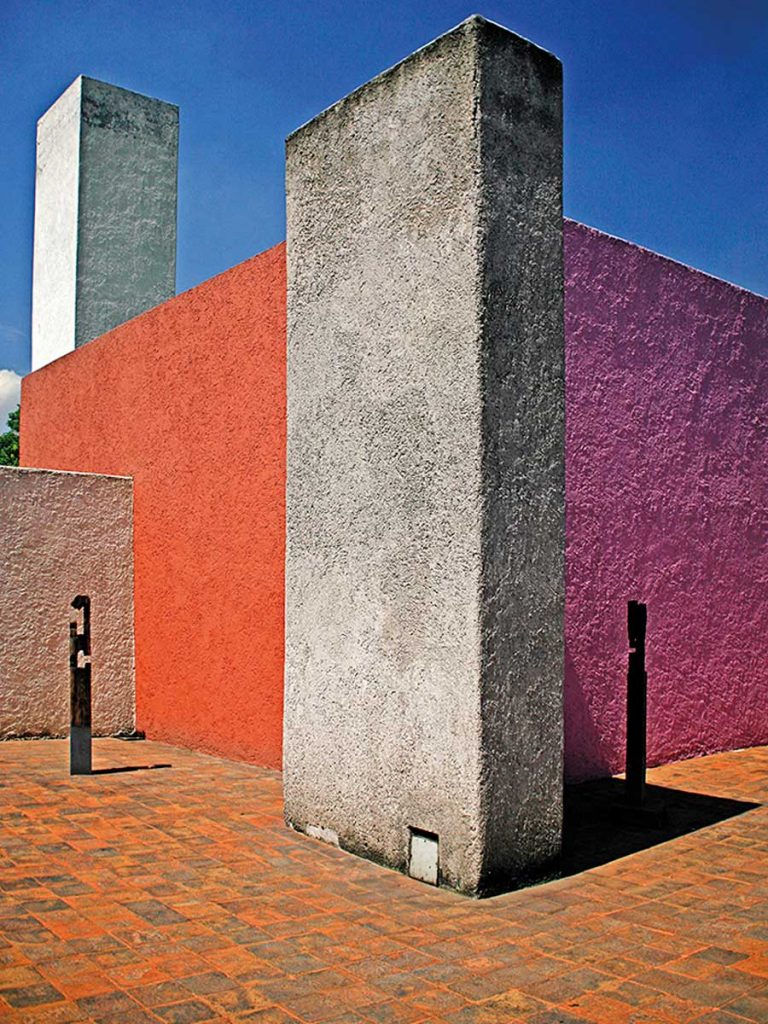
587 753
599 828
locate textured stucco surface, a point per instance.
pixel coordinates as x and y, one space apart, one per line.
105 214
523 472
425 461
667 442
63 534
54 269
666 486
189 400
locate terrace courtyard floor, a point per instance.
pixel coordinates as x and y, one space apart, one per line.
177 894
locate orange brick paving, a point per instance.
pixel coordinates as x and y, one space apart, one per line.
177 895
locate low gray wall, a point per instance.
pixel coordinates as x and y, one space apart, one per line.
63 534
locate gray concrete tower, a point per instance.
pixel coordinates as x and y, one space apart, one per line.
425 531
105 214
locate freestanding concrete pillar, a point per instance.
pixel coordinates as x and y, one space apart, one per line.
105 214
425 531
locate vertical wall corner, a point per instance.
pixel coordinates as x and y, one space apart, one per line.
425 498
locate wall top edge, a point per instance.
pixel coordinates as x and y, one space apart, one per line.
662 256
65 472
474 23
88 80
201 289
82 82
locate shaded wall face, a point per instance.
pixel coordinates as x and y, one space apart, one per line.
63 534
667 404
189 400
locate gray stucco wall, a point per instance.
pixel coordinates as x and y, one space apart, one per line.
105 214
63 534
424 567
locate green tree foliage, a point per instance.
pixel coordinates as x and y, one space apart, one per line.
9 441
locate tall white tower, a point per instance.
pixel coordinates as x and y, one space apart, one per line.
105 214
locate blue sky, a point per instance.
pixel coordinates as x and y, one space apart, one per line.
666 114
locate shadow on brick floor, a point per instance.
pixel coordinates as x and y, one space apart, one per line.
599 826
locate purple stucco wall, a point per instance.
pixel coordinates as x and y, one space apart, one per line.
667 463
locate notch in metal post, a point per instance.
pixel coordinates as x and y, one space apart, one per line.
637 698
80 690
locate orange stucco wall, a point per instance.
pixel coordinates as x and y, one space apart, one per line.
189 400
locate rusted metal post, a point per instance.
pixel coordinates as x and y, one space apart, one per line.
80 690
637 696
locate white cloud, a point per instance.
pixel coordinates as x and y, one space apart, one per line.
10 392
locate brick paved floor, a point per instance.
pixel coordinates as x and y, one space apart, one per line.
178 895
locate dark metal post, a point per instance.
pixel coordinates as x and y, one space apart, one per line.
637 692
80 691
